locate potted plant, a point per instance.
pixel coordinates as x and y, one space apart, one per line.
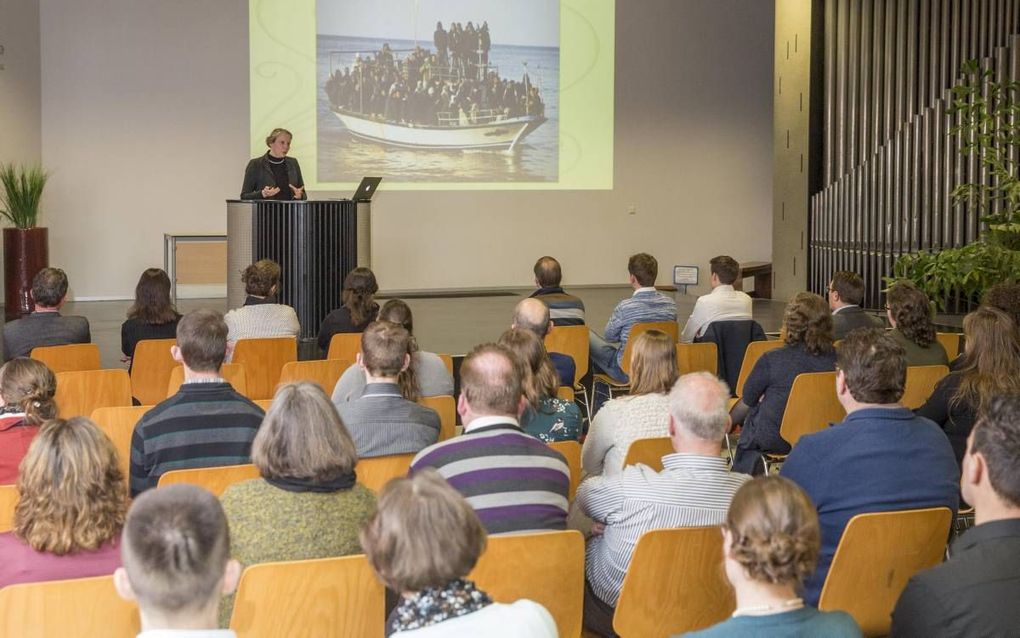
26 247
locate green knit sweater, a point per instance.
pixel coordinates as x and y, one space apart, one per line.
269 524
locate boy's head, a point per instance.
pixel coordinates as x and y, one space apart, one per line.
176 553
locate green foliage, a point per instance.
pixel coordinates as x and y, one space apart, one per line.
21 191
961 274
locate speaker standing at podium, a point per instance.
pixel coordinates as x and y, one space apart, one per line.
274 175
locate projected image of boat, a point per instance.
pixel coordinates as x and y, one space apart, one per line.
485 130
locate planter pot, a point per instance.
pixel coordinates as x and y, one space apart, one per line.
26 252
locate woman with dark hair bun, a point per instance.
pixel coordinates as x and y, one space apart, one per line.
909 313
27 388
357 307
262 315
152 315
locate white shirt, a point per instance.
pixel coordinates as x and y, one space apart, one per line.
482 421
722 304
517 620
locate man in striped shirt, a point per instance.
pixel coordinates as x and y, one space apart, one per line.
564 309
694 489
514 481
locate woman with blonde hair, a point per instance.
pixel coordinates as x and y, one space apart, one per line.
909 313
72 504
422 542
641 414
357 307
27 388
771 541
808 347
547 416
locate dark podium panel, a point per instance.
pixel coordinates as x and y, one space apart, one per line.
315 243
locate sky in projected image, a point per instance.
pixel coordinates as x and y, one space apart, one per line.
393 100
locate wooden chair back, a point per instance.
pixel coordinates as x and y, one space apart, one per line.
649 452
812 406
265 404
669 327
119 424
571 451
233 373
573 342
875 558
660 599
921 381
565 393
546 567
754 351
447 361
324 598
214 479
82 607
345 346
697 357
951 342
150 370
324 372
376 471
8 501
80 393
446 406
263 361
72 357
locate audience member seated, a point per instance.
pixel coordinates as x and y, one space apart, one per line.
724 303
152 315
71 507
45 326
646 305
426 376
177 565
357 307
207 423
846 292
262 315
770 545
564 309
422 542
975 592
693 489
808 328
27 387
880 458
533 315
547 416
494 460
308 503
990 367
1005 297
641 414
909 313
382 421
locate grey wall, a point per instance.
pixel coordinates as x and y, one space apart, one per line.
20 115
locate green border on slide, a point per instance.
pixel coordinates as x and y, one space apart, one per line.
282 66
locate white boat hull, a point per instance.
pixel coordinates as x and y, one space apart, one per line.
504 134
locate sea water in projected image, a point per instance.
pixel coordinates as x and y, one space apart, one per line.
345 158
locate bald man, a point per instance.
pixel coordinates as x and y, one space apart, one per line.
532 314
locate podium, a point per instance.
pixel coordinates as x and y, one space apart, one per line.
315 243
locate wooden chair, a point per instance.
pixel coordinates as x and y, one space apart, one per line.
649 452
565 393
150 370
921 382
234 373
446 406
345 346
546 567
214 479
754 351
812 406
263 361
82 607
571 451
8 501
697 357
324 598
119 424
73 357
265 404
447 361
875 558
669 327
573 342
376 471
80 393
325 372
951 342
675 584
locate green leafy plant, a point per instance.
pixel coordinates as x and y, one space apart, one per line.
958 276
20 194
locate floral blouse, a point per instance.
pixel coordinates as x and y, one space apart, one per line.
553 420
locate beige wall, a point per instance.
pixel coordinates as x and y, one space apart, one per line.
145 117
19 82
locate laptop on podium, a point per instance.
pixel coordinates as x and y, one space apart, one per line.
366 189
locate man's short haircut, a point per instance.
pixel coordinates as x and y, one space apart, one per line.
874 365
175 547
491 380
49 286
725 268
532 314
849 286
202 339
697 403
383 347
997 438
644 268
1005 297
547 272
